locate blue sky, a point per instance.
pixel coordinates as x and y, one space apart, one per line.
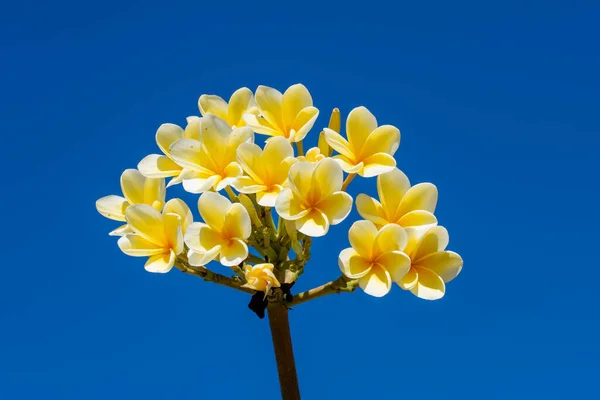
497 104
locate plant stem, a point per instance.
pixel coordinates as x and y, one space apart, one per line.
300 148
347 181
341 284
284 352
210 276
231 194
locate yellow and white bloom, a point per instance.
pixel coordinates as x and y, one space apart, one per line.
137 189
158 236
260 277
211 161
267 170
400 203
313 155
315 199
163 166
223 234
376 257
432 266
241 102
290 115
369 149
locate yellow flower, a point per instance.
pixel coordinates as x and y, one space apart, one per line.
313 155
290 115
376 258
369 149
267 170
157 236
137 189
400 204
431 265
163 166
241 102
211 161
260 277
314 200
223 234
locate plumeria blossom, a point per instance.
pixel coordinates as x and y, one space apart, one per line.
260 277
137 189
267 169
210 163
290 115
163 166
400 203
314 200
376 257
313 155
241 102
158 236
369 149
223 234
432 266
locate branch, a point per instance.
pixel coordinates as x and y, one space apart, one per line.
210 276
341 284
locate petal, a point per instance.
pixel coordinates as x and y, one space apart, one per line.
396 263
238 104
166 135
186 173
179 207
188 153
377 164
157 166
418 218
201 238
304 122
391 188
132 185
213 207
112 207
154 190
237 137
338 143
348 166
288 206
436 239
245 184
362 236
137 246
215 135
269 102
390 238
200 185
192 129
429 286
359 125
267 198
301 177
200 259
370 209
327 178
294 100
233 253
352 264
237 222
446 264
249 155
377 282
385 139
122 231
409 280
423 196
147 222
160 263
336 207
173 232
276 150
314 224
260 125
213 104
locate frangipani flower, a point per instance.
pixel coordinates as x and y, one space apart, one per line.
223 234
431 265
211 162
376 258
290 115
137 189
163 166
267 170
260 277
369 149
157 236
241 102
313 155
400 204
314 200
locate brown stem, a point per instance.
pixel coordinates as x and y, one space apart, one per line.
210 276
284 353
341 284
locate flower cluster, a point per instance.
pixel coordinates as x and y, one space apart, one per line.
242 185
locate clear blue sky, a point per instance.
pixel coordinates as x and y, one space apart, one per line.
498 106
